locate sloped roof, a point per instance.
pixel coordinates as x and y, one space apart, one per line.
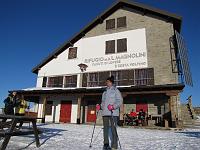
99 19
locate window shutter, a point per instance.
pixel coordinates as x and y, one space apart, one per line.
110 47
121 22
72 53
110 24
122 45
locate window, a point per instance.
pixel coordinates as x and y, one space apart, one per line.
44 82
55 81
102 77
71 81
131 77
110 24
72 53
117 77
48 109
144 76
122 78
122 45
93 79
126 77
121 22
110 47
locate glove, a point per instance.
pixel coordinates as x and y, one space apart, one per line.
98 107
110 107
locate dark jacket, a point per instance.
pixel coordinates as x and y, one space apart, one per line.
9 105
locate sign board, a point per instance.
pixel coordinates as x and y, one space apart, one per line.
93 51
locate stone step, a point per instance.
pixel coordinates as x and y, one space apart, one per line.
188 122
197 123
192 126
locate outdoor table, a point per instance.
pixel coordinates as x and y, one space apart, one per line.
11 132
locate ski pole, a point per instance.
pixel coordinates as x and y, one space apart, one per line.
115 128
93 129
97 135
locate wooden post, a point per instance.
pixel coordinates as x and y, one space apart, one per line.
79 110
44 108
121 116
36 133
172 108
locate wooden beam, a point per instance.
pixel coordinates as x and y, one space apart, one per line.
79 111
44 108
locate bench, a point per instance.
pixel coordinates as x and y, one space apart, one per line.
12 126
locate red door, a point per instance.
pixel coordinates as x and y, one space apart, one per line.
65 111
142 106
91 113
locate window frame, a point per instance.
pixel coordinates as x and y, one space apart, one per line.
112 43
73 81
52 81
70 57
112 26
124 25
118 42
133 77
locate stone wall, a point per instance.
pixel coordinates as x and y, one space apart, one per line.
158 32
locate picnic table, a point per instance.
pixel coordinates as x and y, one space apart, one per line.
6 134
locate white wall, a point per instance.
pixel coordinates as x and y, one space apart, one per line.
40 109
57 102
57 117
93 48
74 111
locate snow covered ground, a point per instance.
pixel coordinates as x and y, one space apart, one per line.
77 137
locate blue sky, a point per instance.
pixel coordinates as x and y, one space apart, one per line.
31 29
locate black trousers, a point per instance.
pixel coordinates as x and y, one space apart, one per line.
21 122
8 111
107 123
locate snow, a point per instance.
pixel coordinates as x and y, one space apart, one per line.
77 137
65 88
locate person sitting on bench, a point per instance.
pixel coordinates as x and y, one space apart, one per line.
21 109
133 114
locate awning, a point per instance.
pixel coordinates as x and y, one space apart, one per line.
84 90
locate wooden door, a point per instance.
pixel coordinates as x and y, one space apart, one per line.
143 106
65 111
91 113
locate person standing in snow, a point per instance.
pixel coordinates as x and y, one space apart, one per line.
110 105
10 103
